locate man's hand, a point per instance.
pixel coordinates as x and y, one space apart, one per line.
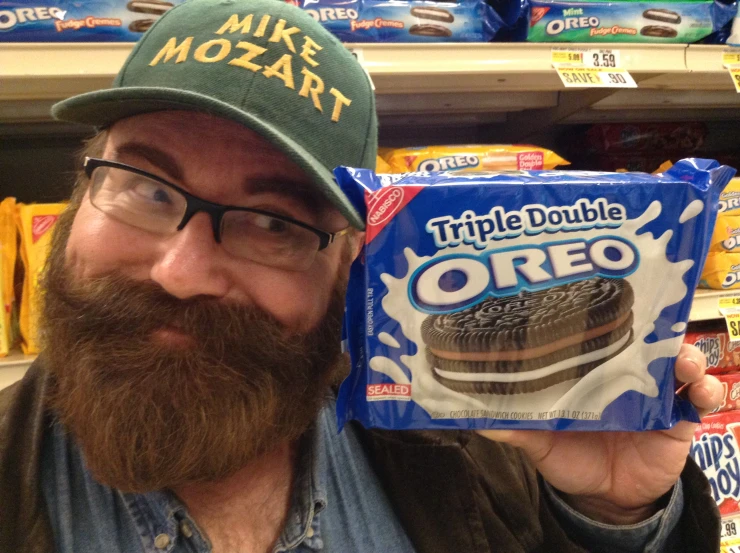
617 477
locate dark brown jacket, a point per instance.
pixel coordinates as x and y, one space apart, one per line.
454 492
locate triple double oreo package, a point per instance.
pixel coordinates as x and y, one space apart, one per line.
529 299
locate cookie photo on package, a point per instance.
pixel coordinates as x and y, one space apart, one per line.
529 299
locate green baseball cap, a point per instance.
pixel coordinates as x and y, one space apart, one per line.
265 64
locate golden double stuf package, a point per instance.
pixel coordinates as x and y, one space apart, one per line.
722 267
480 157
35 224
8 248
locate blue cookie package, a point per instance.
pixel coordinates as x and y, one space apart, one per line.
411 20
551 300
79 20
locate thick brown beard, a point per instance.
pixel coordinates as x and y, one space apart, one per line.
149 416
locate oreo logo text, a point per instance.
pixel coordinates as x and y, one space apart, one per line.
557 26
333 14
455 282
449 163
19 16
729 202
732 278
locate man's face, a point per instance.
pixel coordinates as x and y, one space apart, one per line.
173 360
222 162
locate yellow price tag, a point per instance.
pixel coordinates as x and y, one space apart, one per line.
595 77
725 303
567 56
732 320
735 76
731 58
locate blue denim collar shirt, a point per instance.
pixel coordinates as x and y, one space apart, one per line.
338 506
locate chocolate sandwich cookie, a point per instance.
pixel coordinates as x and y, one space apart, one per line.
666 16
426 29
435 14
531 341
154 7
140 25
658 31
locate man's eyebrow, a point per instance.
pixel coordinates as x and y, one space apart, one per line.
153 155
306 193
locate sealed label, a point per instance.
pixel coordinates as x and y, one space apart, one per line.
539 300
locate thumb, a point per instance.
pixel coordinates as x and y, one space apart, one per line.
535 443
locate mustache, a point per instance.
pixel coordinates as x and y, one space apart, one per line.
133 310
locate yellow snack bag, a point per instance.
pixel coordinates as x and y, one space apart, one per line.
8 251
721 271
729 200
726 236
381 166
35 223
663 167
473 158
384 152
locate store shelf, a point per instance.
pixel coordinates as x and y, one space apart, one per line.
706 304
13 367
454 78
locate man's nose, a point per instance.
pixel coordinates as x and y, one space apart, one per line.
190 263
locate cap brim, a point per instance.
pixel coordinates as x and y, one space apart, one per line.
104 107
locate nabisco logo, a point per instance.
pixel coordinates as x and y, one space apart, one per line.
384 204
41 224
537 14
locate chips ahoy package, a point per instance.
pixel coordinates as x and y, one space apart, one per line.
530 300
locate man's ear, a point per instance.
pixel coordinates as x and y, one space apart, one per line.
358 240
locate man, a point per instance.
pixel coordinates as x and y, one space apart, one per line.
183 402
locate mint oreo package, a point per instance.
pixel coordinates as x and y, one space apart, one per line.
682 21
550 300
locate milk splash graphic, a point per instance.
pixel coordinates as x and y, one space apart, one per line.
657 283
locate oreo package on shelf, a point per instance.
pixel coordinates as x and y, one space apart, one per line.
79 20
532 300
627 20
407 20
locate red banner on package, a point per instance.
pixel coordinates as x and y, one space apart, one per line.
722 355
731 397
385 204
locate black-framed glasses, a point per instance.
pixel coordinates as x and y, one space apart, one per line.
145 201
